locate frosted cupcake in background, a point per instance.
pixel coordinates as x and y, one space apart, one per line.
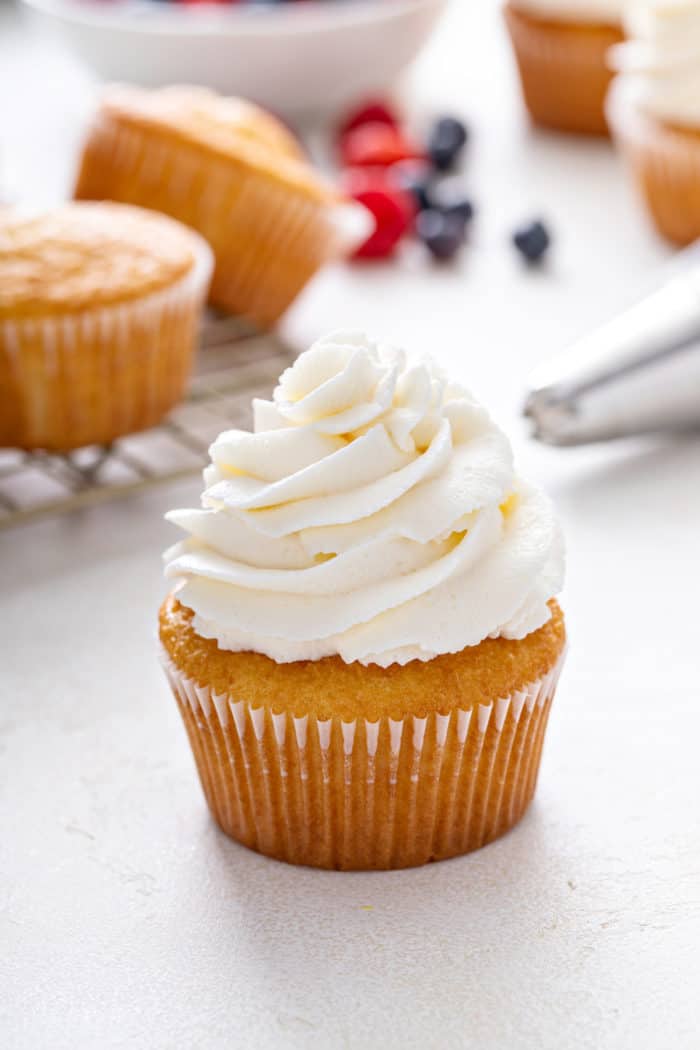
364 640
561 47
654 110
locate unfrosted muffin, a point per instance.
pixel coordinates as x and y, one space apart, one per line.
654 110
364 642
561 47
99 305
234 173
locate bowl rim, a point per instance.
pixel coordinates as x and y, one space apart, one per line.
203 19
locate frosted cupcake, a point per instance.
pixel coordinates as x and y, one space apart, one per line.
99 309
232 172
561 47
364 641
654 110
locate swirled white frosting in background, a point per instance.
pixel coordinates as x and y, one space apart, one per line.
660 62
587 12
373 513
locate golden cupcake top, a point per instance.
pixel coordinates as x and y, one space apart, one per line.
223 127
84 255
331 687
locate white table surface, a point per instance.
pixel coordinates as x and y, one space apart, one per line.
127 920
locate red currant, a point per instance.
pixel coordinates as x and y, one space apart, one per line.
392 207
377 145
374 111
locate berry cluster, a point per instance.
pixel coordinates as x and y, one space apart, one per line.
398 180
409 188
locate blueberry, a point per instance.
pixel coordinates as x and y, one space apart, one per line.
415 183
532 241
443 235
463 210
449 198
446 141
450 130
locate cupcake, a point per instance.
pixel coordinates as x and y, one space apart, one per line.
654 110
99 309
561 47
363 640
233 173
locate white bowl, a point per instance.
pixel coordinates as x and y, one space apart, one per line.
292 58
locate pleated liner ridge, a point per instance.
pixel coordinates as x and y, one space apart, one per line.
360 794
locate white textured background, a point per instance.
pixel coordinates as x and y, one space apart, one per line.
126 920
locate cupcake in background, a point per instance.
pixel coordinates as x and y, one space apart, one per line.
654 110
364 640
560 47
99 312
232 172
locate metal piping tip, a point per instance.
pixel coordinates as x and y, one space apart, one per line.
553 422
639 373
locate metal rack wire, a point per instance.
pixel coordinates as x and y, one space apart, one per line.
235 363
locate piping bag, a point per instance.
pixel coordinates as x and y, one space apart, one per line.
637 374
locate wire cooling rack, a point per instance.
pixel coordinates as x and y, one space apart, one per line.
234 364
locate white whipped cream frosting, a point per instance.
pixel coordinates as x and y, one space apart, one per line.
660 62
373 513
587 12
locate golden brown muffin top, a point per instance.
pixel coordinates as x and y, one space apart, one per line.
328 688
224 127
82 255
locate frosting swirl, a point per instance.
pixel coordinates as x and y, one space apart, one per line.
373 513
660 63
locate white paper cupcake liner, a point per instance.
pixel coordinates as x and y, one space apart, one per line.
362 794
